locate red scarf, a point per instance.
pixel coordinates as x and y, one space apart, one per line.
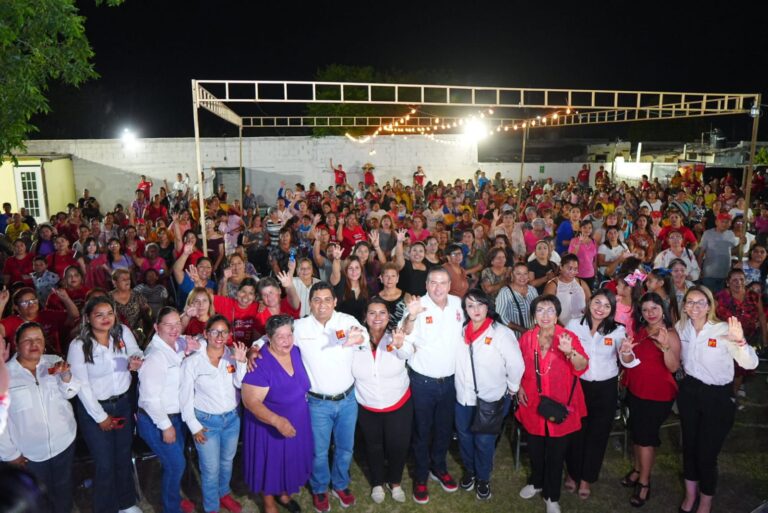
470 334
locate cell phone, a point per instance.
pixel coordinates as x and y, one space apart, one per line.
292 257
118 422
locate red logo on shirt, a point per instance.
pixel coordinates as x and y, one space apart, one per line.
390 348
231 368
712 342
429 320
458 316
121 344
488 340
340 334
608 341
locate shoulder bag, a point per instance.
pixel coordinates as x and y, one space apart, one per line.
489 415
550 409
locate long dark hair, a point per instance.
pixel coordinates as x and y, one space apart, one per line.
86 330
608 324
480 296
669 288
362 282
651 297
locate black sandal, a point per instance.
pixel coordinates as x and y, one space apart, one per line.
292 506
626 482
637 501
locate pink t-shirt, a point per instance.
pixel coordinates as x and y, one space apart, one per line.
586 253
530 241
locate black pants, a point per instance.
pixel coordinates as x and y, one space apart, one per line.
707 413
55 475
433 410
387 437
587 448
547 456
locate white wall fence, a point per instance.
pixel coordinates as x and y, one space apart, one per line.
110 168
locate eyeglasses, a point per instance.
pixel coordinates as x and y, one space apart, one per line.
28 302
701 303
218 333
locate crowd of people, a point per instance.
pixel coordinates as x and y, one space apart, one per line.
405 312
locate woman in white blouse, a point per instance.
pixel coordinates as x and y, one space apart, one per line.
210 379
102 359
601 336
489 365
159 418
382 389
302 282
41 424
705 400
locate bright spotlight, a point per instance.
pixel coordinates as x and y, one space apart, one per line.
128 136
475 130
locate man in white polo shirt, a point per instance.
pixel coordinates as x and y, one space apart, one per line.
433 326
327 340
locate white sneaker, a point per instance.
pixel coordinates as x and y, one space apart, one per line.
398 495
741 392
377 494
529 491
132 509
552 507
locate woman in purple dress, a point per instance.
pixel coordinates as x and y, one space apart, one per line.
278 434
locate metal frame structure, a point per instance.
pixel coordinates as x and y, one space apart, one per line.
597 106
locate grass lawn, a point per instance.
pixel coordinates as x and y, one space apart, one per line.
743 477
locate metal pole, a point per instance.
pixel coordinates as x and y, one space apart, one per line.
242 175
750 169
522 163
200 182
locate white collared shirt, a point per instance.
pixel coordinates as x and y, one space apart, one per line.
498 366
380 381
160 381
708 356
602 350
207 388
327 362
107 376
431 346
41 423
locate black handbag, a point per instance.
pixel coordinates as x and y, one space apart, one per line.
489 415
550 409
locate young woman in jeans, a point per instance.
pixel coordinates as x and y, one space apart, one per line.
209 382
159 419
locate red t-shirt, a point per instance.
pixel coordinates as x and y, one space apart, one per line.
419 179
51 322
369 178
195 327
147 188
155 213
583 175
285 308
339 176
16 267
689 239
244 320
76 295
58 263
651 380
351 237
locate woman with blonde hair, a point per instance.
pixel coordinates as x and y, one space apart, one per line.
709 347
197 310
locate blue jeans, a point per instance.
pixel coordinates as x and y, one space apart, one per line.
477 449
433 407
337 418
171 458
216 455
113 486
55 475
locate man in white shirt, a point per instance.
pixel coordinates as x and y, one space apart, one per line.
434 326
328 340
41 424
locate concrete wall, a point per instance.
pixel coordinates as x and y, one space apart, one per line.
8 185
59 180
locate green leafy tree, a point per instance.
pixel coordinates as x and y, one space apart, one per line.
761 157
40 41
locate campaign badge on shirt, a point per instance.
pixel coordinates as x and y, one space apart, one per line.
429 320
390 348
231 368
340 334
712 342
458 317
608 341
488 340
121 344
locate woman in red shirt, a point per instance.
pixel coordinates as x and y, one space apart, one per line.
17 269
554 358
242 312
63 257
351 233
197 311
651 360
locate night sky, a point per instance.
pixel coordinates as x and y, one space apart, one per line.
148 50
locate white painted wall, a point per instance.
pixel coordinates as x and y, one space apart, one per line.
110 168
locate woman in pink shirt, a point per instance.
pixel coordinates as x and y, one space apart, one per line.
585 248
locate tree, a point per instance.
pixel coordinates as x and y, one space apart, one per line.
40 41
